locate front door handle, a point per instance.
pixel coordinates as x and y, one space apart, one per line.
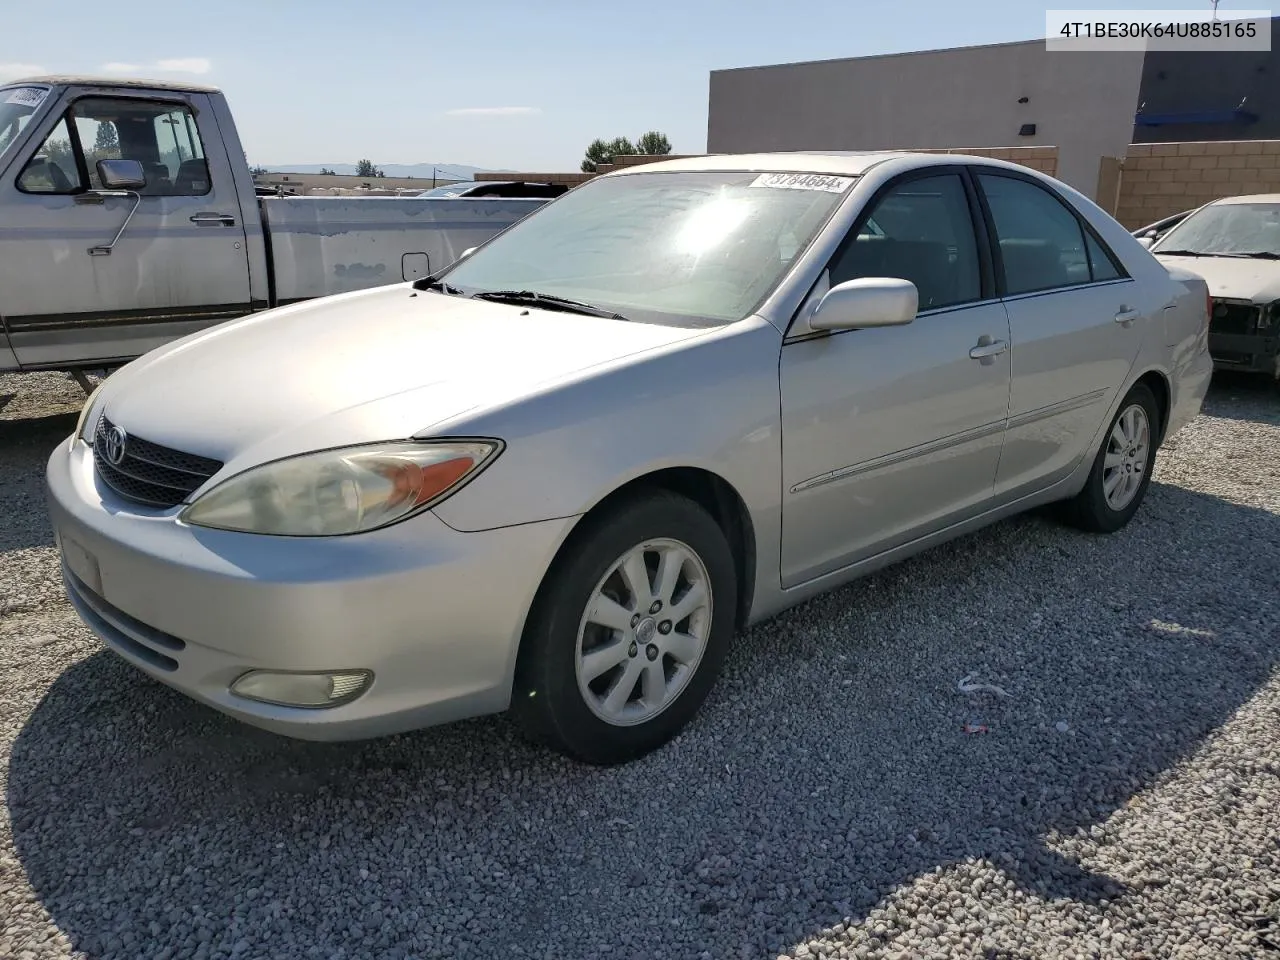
987 349
225 219
1126 316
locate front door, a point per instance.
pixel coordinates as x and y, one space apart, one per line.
179 264
891 433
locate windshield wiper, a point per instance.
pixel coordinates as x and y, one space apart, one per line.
547 301
1255 255
431 283
1187 253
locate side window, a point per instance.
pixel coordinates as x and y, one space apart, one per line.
1041 242
919 231
52 169
1101 266
161 136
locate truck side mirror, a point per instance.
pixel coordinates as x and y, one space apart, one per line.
122 174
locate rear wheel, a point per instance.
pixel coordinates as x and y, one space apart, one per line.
1121 471
629 632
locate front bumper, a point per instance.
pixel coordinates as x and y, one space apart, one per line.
1248 353
434 613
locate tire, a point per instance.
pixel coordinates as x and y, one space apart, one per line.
1091 509
559 698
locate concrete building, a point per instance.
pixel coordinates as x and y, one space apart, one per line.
1210 96
1000 95
1090 106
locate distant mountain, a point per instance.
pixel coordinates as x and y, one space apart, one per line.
444 171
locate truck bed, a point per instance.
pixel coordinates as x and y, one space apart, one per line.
327 245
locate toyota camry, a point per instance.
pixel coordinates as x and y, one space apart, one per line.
560 475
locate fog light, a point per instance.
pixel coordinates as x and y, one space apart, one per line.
302 689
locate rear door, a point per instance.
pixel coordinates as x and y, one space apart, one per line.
1076 321
72 295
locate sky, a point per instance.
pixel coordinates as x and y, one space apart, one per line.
499 84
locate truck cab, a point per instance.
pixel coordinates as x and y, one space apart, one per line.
66 264
129 218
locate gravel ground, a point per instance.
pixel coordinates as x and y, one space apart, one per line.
826 802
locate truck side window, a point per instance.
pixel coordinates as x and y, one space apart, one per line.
52 169
161 136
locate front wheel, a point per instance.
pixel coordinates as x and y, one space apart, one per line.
1121 471
629 633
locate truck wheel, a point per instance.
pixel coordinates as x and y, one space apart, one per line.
1121 471
629 632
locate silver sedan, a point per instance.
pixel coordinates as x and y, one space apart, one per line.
560 475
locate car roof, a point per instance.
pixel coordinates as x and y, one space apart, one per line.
120 82
835 163
1249 198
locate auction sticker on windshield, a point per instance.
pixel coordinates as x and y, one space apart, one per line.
27 96
803 181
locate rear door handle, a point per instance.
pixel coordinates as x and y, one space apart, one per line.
987 349
1126 316
225 219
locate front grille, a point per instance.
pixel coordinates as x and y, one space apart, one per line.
1231 316
149 473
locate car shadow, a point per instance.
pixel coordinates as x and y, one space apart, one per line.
136 811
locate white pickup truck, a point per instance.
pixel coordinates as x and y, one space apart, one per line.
129 218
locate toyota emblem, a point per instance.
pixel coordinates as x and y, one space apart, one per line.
113 442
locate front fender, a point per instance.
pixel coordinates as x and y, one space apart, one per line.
711 403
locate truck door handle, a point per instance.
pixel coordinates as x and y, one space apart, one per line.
1126 316
988 349
223 218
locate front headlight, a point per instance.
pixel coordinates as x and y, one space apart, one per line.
343 491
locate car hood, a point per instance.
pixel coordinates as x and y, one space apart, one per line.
372 365
1232 277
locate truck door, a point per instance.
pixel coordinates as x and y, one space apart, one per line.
80 290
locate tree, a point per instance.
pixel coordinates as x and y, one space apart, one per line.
108 141
365 168
652 144
256 171
326 172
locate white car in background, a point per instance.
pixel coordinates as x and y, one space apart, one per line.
1234 243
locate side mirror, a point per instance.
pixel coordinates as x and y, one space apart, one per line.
122 174
1146 239
867 302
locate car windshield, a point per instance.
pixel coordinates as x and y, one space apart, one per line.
17 104
1226 230
687 248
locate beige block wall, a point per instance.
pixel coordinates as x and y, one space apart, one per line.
570 179
1160 179
1153 181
